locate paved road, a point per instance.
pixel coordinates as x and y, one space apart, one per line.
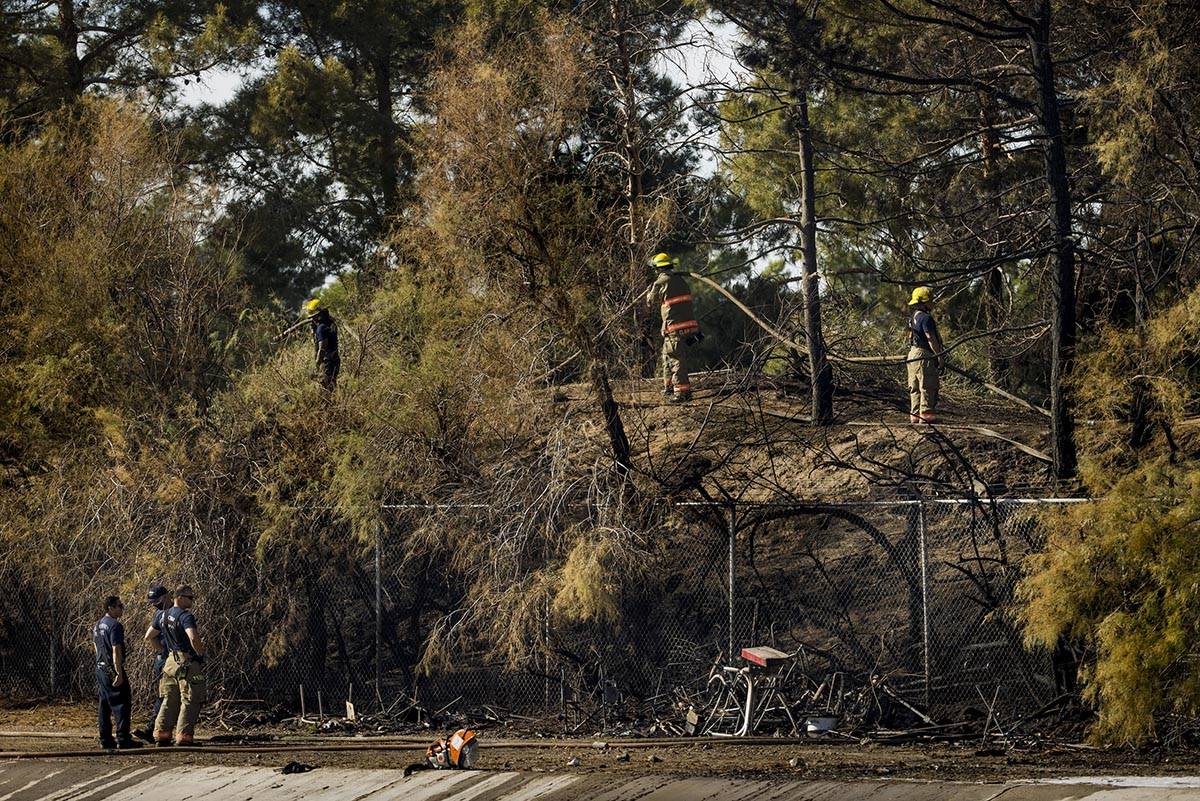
78 780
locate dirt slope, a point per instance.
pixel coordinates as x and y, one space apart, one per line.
750 437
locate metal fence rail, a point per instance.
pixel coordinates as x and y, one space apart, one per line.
917 592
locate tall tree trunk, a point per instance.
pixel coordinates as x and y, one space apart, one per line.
818 365
618 440
998 365
621 73
389 175
1141 404
623 80
989 146
68 39
1062 274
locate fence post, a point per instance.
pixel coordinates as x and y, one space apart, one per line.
732 573
924 555
53 664
379 612
546 652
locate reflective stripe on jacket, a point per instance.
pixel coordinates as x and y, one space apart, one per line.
686 327
674 298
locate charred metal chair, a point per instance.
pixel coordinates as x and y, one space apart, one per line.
743 698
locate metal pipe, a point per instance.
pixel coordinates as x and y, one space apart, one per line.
924 594
732 574
379 613
816 506
417 746
798 503
53 664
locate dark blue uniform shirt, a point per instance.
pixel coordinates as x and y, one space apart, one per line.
921 326
157 626
174 624
327 333
106 634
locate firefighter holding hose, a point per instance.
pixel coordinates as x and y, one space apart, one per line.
680 330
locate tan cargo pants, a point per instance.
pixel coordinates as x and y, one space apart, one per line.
675 364
923 382
184 689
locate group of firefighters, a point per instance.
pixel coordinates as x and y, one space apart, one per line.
680 331
174 636
173 633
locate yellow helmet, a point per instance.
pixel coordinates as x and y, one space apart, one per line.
313 305
921 294
664 261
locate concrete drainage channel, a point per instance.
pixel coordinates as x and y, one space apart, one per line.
80 781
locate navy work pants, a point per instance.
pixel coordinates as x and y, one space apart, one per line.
330 369
113 707
159 661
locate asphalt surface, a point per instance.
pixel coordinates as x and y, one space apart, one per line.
50 780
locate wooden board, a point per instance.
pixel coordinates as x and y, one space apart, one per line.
764 656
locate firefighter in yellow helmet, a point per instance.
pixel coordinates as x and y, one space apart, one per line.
680 329
925 353
325 341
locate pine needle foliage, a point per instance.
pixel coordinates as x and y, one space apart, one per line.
1122 574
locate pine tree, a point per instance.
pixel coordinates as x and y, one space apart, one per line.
55 52
322 139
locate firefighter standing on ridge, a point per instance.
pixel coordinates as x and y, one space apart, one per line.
184 688
325 340
925 354
680 330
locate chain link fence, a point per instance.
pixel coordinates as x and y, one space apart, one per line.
916 593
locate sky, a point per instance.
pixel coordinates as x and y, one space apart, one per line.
215 86
704 56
